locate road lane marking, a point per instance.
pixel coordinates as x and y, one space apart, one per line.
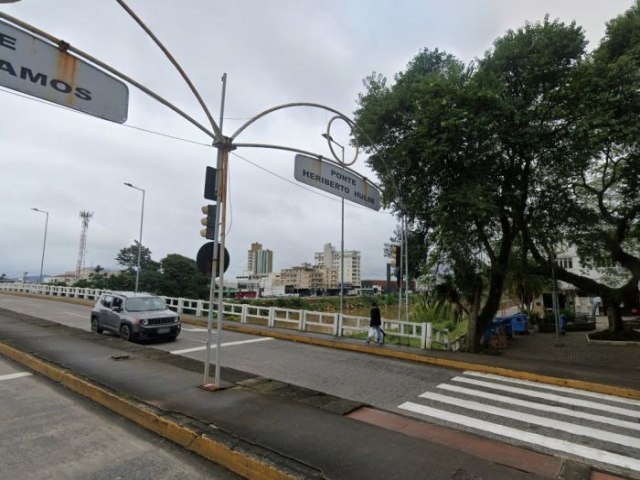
551 397
535 420
186 329
538 406
11 376
228 344
591 454
601 396
82 315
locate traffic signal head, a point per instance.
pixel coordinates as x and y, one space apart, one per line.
209 222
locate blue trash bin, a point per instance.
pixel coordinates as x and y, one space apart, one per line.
519 323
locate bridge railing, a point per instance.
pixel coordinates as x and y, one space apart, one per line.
420 334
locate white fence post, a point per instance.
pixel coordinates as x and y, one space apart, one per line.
243 316
272 314
427 331
302 326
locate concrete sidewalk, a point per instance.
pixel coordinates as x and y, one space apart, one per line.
261 428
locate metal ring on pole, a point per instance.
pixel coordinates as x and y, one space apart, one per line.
330 143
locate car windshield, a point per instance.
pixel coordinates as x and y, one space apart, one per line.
145 304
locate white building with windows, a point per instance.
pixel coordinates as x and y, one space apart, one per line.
330 259
606 273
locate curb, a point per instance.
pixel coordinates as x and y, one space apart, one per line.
244 459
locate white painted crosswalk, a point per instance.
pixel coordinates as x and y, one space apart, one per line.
602 430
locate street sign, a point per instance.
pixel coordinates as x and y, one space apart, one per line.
34 66
204 259
337 180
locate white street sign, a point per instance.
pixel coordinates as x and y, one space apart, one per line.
339 181
33 66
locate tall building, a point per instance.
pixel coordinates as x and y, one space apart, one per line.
259 261
330 259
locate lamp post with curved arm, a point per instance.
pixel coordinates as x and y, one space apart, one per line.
139 241
330 139
44 243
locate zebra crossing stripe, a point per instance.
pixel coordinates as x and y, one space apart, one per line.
552 397
536 420
591 454
557 388
544 407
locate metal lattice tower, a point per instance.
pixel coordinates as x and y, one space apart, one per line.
85 216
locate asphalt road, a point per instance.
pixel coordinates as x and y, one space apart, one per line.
49 432
592 428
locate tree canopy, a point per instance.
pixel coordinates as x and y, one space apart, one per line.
510 151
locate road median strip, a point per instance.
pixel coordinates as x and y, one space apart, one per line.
249 461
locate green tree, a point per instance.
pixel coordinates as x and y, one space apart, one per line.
464 151
181 278
601 204
128 258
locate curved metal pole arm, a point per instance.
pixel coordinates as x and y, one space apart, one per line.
288 105
305 152
175 63
113 71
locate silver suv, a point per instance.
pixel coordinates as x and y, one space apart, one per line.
135 316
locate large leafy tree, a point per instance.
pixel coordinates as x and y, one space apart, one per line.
469 152
128 258
602 200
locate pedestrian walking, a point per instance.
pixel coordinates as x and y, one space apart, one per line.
375 324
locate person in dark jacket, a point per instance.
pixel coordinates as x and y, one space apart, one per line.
375 322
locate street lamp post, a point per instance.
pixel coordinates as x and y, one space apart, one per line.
330 139
140 241
44 244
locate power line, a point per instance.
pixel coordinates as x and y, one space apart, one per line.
193 142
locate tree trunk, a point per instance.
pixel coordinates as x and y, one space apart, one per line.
614 315
472 345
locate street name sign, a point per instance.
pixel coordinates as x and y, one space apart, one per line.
337 180
34 66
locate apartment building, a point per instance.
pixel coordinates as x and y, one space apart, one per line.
330 259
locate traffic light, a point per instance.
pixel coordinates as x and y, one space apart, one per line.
398 256
209 222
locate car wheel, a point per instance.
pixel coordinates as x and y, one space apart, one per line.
125 332
95 325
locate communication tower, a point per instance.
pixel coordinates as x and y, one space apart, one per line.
85 216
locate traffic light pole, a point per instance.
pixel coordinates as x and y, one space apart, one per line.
218 249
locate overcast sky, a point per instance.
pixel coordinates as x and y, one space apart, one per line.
274 52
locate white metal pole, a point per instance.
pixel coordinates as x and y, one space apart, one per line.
340 317
140 241
341 320
140 238
44 243
221 249
406 268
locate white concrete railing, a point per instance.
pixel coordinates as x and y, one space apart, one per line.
273 317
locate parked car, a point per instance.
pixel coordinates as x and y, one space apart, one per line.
135 316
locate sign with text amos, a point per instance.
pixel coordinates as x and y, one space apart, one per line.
36 67
339 181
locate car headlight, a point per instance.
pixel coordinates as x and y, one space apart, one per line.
176 320
144 322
